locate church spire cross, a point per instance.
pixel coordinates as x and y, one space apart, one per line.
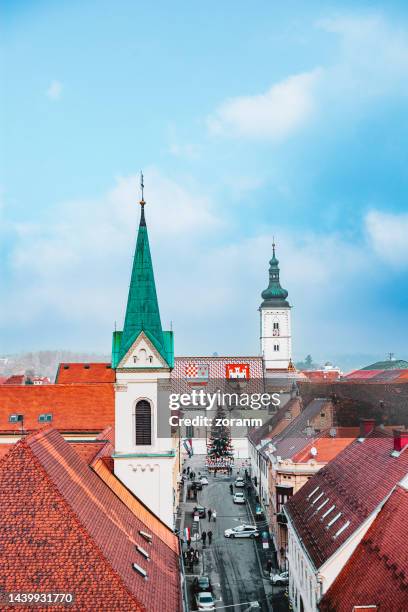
142 201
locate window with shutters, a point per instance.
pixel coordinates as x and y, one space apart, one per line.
143 423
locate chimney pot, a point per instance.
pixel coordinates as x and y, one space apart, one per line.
400 439
366 426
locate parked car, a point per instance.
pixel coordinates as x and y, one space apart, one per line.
242 531
205 601
259 514
239 498
197 485
280 579
204 480
202 584
239 482
200 510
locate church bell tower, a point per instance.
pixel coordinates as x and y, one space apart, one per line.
276 334
143 357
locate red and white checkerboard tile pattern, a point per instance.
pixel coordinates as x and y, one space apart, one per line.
189 367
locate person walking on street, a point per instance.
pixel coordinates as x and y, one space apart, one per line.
269 566
214 515
209 538
203 537
209 513
231 488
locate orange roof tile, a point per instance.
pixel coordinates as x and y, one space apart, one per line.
327 447
84 407
64 530
152 522
71 373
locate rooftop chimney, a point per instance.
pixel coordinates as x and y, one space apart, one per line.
366 427
400 439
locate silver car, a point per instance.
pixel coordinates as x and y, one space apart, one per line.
242 531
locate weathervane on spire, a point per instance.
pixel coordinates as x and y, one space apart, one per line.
142 202
273 245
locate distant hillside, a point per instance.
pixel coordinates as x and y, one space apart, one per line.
44 363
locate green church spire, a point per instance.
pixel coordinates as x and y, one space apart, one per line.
142 311
274 295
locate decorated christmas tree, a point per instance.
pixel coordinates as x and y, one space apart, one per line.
220 453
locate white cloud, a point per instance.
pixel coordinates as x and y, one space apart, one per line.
371 63
274 115
388 236
54 90
77 263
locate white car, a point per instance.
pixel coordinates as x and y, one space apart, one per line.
280 579
242 531
239 498
205 601
204 480
239 482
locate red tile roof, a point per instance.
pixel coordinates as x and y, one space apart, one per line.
321 375
15 379
327 447
377 572
85 407
64 529
69 373
355 483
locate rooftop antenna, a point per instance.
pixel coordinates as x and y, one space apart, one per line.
391 356
171 325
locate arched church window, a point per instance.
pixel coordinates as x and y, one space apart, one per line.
143 422
276 347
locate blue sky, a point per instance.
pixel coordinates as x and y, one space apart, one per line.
285 119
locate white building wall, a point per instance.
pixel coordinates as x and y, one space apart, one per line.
276 340
146 470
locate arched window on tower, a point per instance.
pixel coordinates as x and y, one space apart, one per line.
143 422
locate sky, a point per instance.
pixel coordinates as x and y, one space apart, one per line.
249 120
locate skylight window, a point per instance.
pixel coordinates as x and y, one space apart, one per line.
328 511
16 418
317 498
336 535
139 570
146 536
334 520
143 552
321 505
312 493
45 418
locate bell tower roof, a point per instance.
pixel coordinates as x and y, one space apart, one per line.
142 310
274 295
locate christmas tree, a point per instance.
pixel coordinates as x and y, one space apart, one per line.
220 454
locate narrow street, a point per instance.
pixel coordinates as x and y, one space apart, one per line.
232 564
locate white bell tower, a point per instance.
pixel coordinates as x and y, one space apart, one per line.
145 457
276 333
